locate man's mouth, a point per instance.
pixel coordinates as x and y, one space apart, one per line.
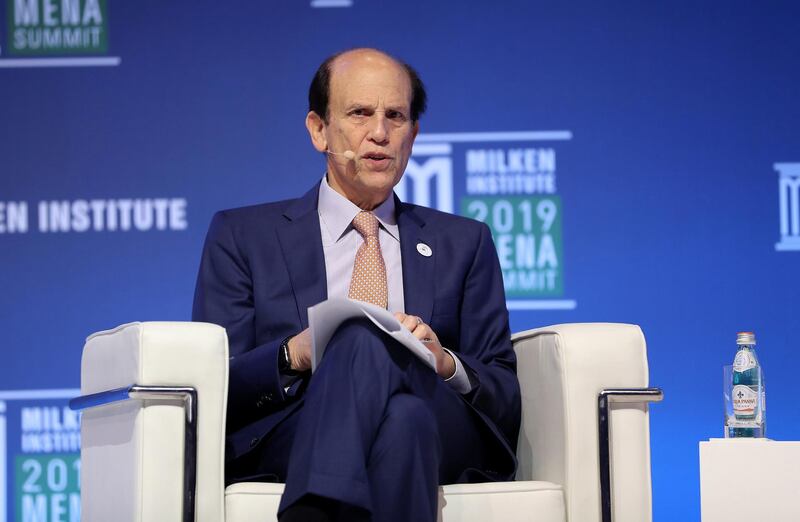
377 161
376 156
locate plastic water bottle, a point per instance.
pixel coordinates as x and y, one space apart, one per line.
748 391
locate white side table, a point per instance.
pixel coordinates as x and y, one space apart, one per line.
749 480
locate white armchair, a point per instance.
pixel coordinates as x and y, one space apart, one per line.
160 456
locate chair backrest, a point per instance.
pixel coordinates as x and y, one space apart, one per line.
120 436
561 370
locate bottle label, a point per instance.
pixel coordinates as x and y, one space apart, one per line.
744 400
744 361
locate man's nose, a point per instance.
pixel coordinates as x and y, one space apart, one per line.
379 131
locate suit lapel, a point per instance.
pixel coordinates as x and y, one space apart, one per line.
418 270
301 244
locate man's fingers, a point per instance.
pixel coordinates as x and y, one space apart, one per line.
421 331
401 317
416 326
425 334
409 321
445 363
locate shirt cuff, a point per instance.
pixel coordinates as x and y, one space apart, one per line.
459 381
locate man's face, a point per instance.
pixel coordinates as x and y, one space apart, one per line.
368 114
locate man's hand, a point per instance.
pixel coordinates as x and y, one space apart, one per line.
299 348
445 364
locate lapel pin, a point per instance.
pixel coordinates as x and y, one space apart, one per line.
424 250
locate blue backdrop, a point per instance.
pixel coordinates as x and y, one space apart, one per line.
660 141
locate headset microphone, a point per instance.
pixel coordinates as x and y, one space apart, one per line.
348 154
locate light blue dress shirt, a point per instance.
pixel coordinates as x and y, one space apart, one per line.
340 242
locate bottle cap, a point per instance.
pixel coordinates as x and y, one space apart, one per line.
748 338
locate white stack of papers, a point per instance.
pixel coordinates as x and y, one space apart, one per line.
325 317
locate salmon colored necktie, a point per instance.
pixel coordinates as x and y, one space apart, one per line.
369 271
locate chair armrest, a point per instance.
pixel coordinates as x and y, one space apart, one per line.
562 371
132 451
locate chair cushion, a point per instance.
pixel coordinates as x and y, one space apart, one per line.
252 501
506 501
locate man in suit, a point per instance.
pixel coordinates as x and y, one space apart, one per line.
373 431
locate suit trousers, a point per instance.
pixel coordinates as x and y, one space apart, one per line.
377 429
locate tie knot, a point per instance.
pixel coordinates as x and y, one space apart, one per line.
366 223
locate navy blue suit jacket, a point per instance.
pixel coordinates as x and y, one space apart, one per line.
263 266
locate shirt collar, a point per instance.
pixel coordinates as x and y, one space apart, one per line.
337 212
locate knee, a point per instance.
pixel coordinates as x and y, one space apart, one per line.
359 329
352 337
410 419
360 348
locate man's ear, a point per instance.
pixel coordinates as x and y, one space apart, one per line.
316 129
416 129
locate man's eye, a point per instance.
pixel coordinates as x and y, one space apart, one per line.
396 115
358 112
